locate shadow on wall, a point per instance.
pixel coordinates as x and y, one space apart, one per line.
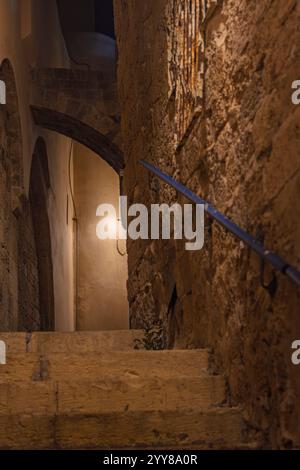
39 186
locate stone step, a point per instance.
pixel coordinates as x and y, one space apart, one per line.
75 342
70 366
218 428
111 394
141 394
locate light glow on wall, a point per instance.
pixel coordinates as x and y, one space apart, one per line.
107 228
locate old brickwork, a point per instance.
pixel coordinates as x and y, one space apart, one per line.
237 146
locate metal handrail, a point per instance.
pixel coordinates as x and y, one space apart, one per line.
267 255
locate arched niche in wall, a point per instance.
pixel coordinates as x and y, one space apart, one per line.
39 186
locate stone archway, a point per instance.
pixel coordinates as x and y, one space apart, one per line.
82 105
8 225
81 132
39 185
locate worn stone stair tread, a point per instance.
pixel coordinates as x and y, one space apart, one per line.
211 428
142 394
92 390
75 342
113 394
70 366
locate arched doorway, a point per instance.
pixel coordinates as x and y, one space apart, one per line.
81 132
39 186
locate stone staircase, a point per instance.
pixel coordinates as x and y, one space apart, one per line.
93 390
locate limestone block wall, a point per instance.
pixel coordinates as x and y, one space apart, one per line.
8 307
238 146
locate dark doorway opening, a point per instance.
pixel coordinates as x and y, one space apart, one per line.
39 185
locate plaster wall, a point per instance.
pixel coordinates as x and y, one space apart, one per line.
102 271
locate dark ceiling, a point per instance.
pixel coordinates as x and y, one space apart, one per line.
87 16
104 17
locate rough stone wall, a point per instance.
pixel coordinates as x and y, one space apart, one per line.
146 127
18 268
28 282
8 310
239 150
